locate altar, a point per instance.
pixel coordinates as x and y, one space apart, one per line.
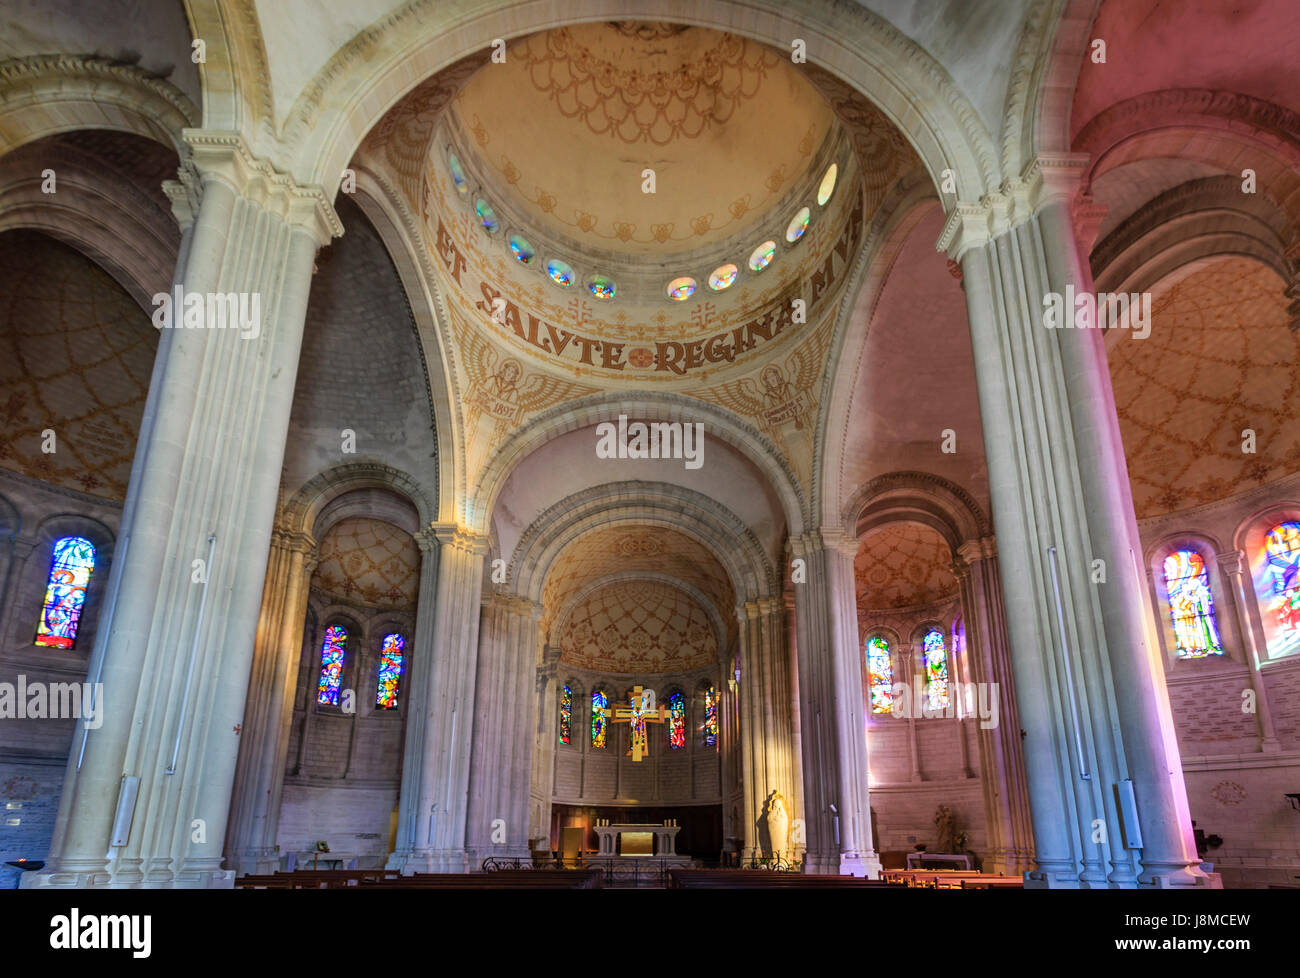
639 841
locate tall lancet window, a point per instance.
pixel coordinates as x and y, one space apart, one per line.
390 671
880 667
936 669
677 720
65 592
332 652
1282 557
599 718
710 717
1191 606
566 714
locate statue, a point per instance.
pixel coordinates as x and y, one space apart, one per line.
946 822
778 826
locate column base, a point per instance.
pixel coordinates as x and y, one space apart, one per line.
1039 879
1187 879
860 864
220 879
254 862
429 861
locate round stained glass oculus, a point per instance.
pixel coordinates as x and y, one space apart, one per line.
723 277
827 186
457 174
522 250
798 225
561 273
487 216
602 287
762 256
681 289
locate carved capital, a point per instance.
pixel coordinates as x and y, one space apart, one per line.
982 549
225 157
1233 562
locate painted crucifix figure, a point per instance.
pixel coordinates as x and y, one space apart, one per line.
641 711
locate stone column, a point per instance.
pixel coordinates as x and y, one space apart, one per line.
1002 768
502 756
1088 674
766 734
1237 569
545 734
439 719
836 795
268 713
176 656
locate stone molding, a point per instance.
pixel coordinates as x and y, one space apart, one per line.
225 156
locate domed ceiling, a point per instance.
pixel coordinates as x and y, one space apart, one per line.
76 352
638 627
1219 359
627 551
903 565
574 115
369 562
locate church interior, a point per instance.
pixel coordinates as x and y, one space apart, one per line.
631 443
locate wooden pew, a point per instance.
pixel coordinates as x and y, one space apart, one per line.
746 879
951 879
526 879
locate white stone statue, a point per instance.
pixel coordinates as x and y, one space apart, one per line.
778 825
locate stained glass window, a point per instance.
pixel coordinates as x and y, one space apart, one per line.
599 718
65 592
827 185
561 273
723 276
762 256
880 666
487 216
1282 556
681 289
390 671
710 717
936 670
566 714
677 720
1191 606
521 249
602 287
331 665
798 225
457 174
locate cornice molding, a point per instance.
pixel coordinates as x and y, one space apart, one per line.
225 156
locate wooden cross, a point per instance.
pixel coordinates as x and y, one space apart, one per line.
637 715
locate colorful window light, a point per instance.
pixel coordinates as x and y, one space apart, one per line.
72 562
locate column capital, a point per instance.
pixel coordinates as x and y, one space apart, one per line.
826 538
1049 177
1232 562
222 155
294 541
512 604
437 535
982 548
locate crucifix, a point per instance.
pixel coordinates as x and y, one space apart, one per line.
637 714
